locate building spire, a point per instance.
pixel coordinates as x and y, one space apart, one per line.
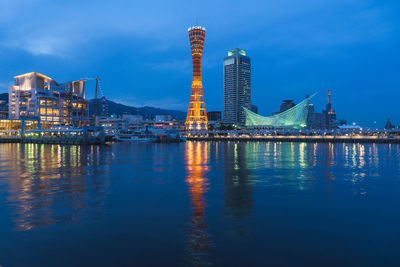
329 97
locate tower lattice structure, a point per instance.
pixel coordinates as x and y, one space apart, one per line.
196 116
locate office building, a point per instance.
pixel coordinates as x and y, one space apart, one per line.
237 86
254 109
214 115
324 120
330 114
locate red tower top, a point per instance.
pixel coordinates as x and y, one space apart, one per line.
197 35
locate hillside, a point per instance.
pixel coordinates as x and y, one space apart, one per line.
147 112
4 97
120 109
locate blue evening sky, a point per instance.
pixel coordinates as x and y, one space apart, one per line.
140 50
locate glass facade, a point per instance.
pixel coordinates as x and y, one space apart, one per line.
237 86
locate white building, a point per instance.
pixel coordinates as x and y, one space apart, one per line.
35 95
133 119
162 118
112 125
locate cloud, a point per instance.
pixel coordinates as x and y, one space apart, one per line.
54 28
45 27
46 45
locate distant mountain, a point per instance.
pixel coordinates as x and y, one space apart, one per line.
120 109
4 97
146 112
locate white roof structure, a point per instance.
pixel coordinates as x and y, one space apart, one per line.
196 28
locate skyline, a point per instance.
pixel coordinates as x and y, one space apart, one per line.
346 46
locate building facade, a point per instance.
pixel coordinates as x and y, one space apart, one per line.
330 114
3 109
214 116
237 86
254 109
196 118
326 119
162 118
35 95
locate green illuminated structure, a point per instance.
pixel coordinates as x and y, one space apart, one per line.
236 50
295 117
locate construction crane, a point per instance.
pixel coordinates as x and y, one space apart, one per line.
98 86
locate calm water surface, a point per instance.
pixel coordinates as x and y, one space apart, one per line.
200 204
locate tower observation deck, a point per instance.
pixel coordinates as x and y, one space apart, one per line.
196 116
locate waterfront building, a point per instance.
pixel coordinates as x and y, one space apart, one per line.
214 116
162 118
177 125
295 117
35 95
3 109
16 126
133 119
237 86
286 104
196 116
330 114
316 120
324 120
112 125
389 125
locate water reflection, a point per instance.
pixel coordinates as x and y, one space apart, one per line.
238 192
298 166
51 183
198 238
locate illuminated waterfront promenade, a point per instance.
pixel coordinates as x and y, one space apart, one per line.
334 136
86 135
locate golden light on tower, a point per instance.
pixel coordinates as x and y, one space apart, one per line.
196 116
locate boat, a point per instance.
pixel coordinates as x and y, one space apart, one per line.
168 138
132 136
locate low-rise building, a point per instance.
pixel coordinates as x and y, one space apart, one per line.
133 119
112 125
3 109
162 118
214 116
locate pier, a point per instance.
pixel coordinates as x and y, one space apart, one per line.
82 136
311 136
309 139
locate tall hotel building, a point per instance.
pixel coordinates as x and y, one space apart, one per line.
36 96
237 86
196 116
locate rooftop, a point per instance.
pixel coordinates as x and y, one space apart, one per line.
31 73
236 51
196 28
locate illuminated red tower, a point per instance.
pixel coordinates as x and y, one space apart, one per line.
196 116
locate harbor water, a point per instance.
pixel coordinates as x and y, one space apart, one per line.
200 204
